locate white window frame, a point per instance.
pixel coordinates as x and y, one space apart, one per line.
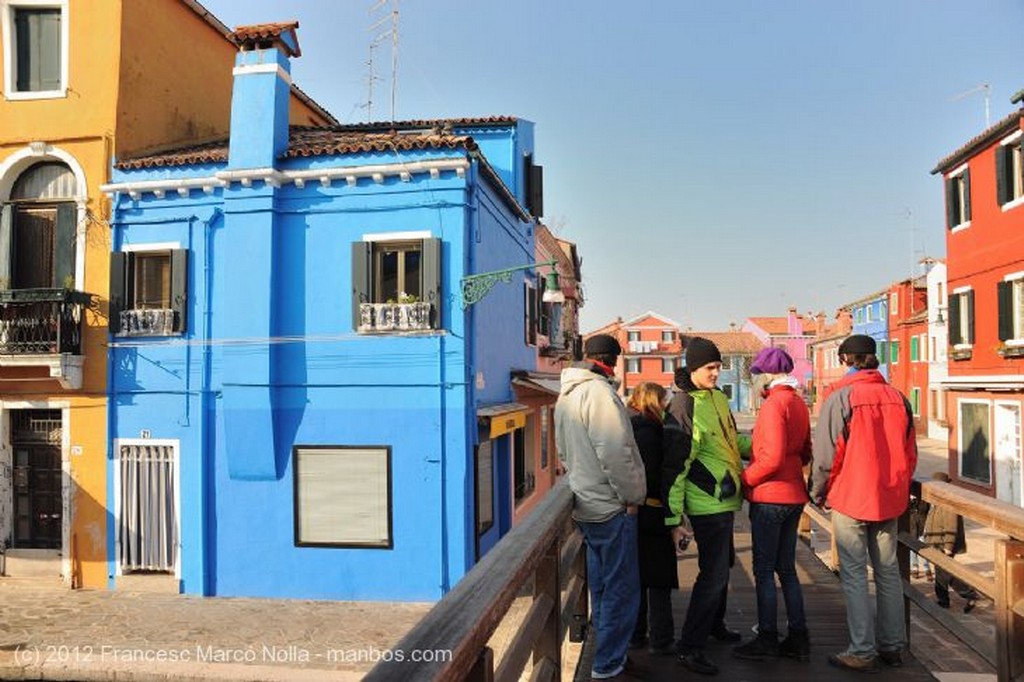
896 343
1017 164
867 313
915 404
961 445
670 363
726 363
1017 279
7 9
894 303
633 335
670 336
632 365
964 320
958 175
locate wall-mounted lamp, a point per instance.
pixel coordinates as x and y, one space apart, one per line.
475 287
939 319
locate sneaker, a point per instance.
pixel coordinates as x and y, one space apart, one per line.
697 662
858 664
722 633
892 658
796 645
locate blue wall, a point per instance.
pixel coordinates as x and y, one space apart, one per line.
877 327
271 360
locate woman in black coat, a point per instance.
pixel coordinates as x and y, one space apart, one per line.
656 544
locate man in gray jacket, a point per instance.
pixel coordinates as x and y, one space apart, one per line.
595 442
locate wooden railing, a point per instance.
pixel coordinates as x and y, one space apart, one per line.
542 558
1006 588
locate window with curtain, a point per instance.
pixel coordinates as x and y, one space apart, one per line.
147 524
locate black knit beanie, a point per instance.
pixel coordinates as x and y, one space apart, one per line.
699 352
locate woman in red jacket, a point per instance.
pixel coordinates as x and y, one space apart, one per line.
774 485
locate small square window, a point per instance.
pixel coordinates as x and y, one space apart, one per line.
396 287
633 365
633 336
668 336
149 292
342 496
668 365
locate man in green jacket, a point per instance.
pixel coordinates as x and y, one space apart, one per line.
707 489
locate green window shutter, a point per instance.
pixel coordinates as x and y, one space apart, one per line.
1002 181
969 334
118 270
883 352
956 334
6 242
179 289
1004 299
894 350
967 194
430 271
951 202
64 239
914 349
361 252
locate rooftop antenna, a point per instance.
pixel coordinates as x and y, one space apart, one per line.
384 28
984 87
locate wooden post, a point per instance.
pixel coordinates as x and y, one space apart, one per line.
580 614
483 669
546 582
1009 570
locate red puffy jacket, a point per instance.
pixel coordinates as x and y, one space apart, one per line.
781 448
865 449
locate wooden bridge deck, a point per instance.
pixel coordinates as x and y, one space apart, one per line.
826 618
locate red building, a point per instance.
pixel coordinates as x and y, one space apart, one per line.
824 354
651 350
984 188
908 345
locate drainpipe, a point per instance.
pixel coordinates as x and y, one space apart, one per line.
206 433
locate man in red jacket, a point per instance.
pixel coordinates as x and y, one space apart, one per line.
865 452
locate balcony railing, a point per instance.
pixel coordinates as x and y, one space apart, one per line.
152 322
395 317
41 321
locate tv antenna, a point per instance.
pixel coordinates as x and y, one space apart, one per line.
984 87
384 29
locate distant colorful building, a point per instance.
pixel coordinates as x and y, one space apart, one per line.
908 345
824 352
793 333
871 317
984 191
324 389
938 362
738 350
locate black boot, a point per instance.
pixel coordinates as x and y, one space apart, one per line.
796 645
765 645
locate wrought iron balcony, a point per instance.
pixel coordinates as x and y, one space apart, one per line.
42 321
152 322
395 317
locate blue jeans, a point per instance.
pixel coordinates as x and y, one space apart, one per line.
614 576
773 529
857 542
715 556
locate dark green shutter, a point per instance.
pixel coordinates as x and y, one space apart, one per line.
430 271
967 194
361 252
969 333
956 335
951 202
6 242
1003 186
64 245
530 316
118 268
179 289
1004 298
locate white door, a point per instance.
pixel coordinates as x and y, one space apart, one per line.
1008 454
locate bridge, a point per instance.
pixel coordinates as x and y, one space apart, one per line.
512 616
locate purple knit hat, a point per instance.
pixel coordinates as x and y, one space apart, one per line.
772 361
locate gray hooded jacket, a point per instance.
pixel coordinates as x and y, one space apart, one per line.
595 441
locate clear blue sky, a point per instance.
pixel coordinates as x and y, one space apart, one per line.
712 160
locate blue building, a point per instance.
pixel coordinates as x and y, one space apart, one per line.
871 317
738 349
300 404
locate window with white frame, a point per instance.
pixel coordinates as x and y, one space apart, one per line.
667 336
858 316
1009 170
975 440
915 349
726 362
894 303
35 38
915 401
1010 297
668 365
961 317
633 335
894 351
867 313
342 496
149 292
633 365
396 284
958 198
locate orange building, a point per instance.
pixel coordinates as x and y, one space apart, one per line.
984 189
85 82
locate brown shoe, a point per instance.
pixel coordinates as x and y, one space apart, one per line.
855 663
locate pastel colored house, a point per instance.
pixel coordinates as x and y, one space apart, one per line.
651 350
327 395
984 191
793 333
83 82
871 317
938 361
824 351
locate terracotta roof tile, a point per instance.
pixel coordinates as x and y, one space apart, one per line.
306 142
979 142
264 32
733 343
